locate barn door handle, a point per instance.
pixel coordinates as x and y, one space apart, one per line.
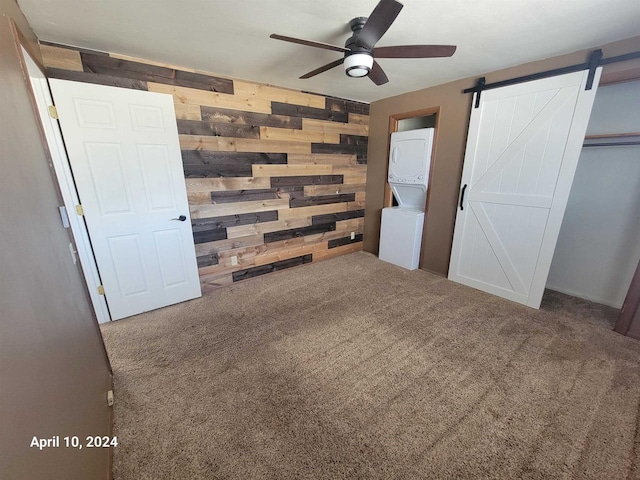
462 197
181 218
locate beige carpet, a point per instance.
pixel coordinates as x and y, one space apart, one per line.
353 368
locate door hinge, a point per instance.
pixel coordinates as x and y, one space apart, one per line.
100 290
53 111
79 210
110 398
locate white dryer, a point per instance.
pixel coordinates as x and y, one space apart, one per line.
401 229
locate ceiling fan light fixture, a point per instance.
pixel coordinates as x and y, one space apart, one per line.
358 64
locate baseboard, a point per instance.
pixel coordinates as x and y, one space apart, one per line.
584 297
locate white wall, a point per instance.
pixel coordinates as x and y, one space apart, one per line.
599 244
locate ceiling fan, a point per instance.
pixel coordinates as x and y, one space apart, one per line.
359 49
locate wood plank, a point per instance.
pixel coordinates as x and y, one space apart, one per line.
356 177
345 148
306 180
219 184
361 196
328 236
352 174
298 232
194 127
222 144
334 127
210 235
336 252
346 106
233 196
151 62
108 65
199 198
217 170
311 190
293 135
267 227
279 108
207 157
358 118
277 94
286 252
96 79
227 221
204 211
346 225
351 169
185 111
336 217
229 244
61 58
118 67
321 200
211 282
194 96
312 211
355 205
207 260
290 170
238 117
323 159
271 267
338 242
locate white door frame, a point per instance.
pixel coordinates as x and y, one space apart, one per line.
53 135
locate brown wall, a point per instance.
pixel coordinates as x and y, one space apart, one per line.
455 108
54 373
275 177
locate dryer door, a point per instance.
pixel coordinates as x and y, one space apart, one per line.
410 156
409 161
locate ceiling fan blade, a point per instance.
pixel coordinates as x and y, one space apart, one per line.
414 51
377 75
378 23
309 43
324 68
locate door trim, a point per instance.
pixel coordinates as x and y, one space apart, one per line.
58 154
630 311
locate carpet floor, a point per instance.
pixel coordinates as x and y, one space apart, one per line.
355 369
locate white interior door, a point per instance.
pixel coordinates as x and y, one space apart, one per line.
125 156
522 150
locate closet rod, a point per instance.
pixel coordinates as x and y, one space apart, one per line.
611 144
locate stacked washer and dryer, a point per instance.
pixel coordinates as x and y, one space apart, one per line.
401 229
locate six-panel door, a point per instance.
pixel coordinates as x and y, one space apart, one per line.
124 152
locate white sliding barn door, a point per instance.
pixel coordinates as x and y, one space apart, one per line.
522 150
125 157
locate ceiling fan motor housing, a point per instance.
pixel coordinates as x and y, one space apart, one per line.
358 60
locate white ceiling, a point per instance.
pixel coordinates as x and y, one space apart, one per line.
231 37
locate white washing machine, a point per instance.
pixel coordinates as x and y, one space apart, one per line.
401 229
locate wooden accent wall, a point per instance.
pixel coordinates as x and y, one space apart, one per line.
275 177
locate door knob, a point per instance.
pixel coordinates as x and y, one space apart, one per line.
181 218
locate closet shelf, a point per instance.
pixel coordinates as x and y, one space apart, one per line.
614 139
612 135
